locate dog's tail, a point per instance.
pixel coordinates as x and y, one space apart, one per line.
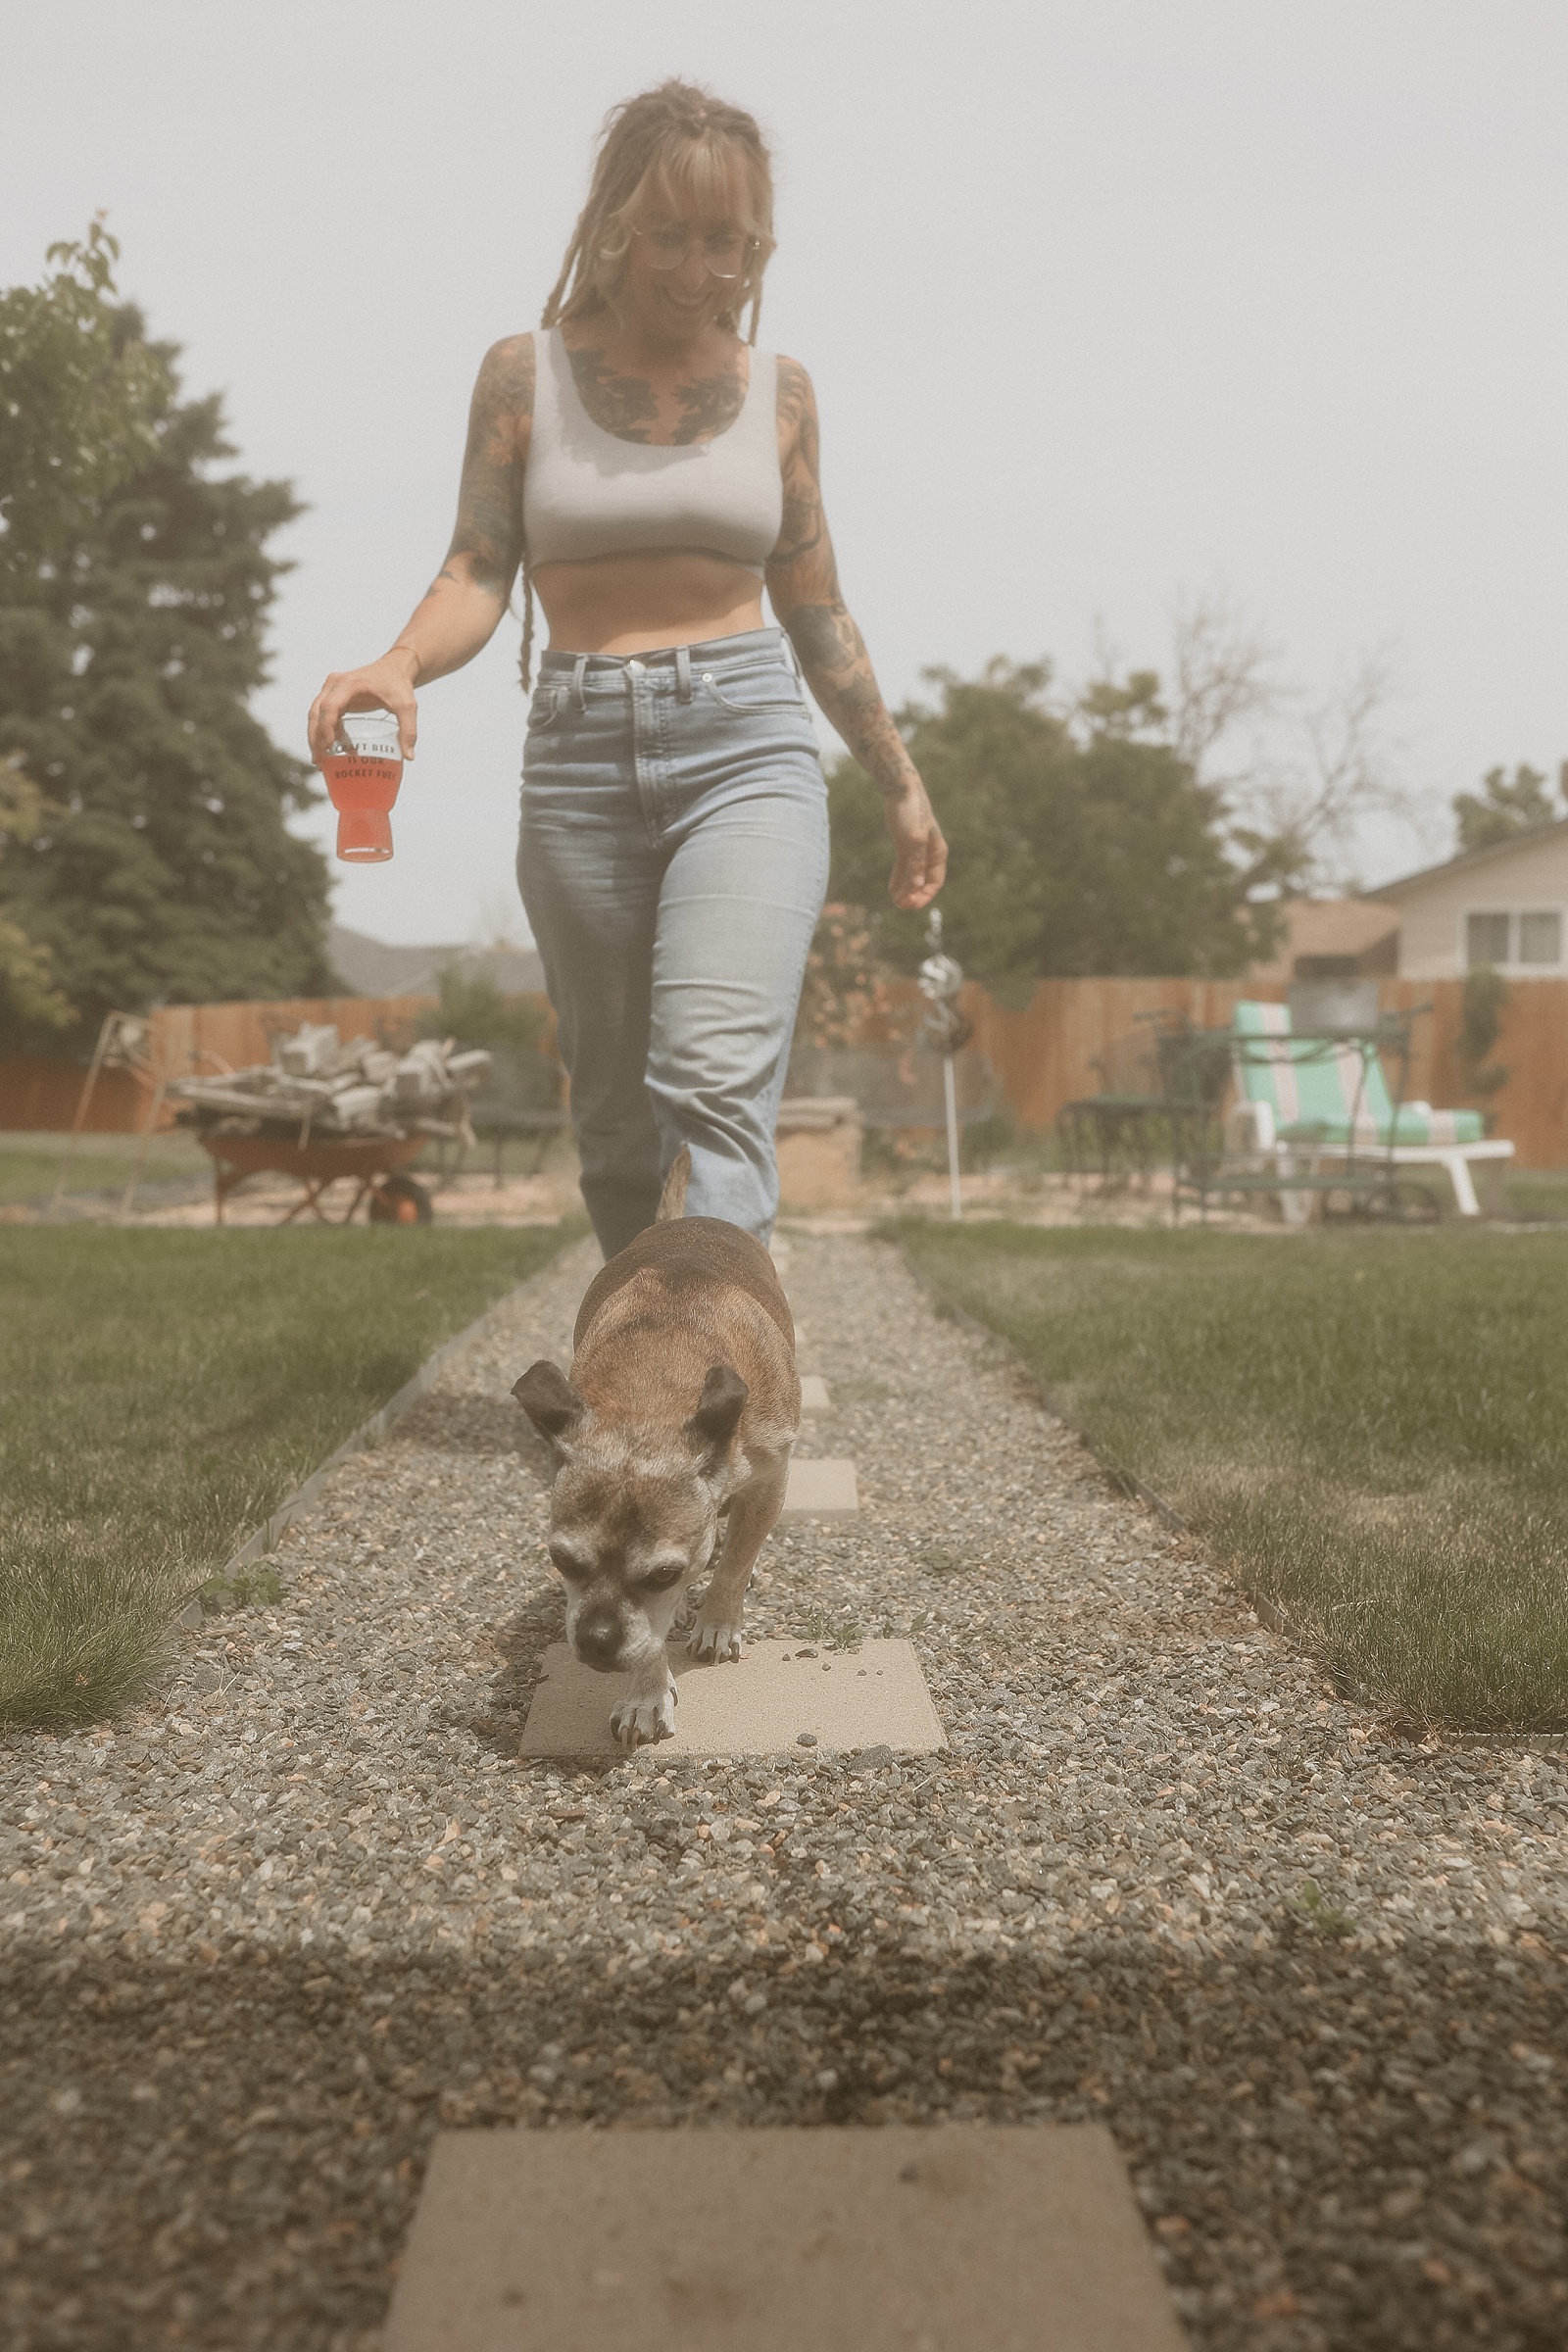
673 1200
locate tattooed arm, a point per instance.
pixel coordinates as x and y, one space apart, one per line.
804 585
457 614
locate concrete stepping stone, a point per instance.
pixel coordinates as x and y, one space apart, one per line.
814 1394
1015 2239
826 1489
781 1697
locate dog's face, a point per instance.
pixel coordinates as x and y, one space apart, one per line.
634 1512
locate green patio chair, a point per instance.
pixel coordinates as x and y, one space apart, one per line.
1305 1102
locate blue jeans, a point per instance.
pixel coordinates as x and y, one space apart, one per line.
674 861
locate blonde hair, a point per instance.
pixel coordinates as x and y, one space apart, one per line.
678 144
682 144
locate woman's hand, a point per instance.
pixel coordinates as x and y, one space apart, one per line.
920 864
384 685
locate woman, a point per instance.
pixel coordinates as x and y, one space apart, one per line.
651 471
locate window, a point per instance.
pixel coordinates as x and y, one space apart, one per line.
1485 939
1527 938
1541 936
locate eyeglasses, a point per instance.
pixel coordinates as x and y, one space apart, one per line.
725 251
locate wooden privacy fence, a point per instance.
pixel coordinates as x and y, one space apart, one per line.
1043 1052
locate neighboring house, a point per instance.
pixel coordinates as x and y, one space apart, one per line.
1506 907
1354 936
371 968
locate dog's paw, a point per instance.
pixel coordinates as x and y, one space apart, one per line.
715 1641
639 1722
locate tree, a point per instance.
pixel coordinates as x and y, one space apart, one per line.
839 991
1082 841
79 396
27 985
1504 807
1484 1001
1311 768
132 617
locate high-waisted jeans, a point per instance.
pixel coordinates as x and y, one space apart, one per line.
673 860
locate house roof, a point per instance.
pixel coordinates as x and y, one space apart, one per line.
1531 838
1326 927
372 969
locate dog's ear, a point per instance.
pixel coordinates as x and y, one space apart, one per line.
551 1402
713 1424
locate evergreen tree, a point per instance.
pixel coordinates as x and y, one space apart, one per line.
1081 842
129 645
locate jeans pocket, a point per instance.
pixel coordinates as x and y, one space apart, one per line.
752 701
545 707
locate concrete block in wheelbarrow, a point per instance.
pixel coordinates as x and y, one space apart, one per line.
973 2239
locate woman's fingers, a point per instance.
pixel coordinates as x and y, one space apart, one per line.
382 686
921 863
326 713
400 701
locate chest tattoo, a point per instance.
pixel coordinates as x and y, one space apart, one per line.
710 407
623 405
628 405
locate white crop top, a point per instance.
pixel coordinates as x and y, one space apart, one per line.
587 492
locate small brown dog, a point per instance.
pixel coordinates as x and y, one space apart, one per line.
675 1427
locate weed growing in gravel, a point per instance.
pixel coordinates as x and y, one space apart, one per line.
1366 1427
838 1632
248 1587
165 1391
1315 1908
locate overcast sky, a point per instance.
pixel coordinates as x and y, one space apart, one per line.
1103 301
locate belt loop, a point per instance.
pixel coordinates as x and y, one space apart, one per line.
683 673
795 660
578 674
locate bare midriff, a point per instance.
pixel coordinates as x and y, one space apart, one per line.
639 603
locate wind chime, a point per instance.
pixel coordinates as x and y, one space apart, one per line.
946 1031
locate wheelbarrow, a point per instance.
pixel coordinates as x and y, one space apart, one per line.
368 1163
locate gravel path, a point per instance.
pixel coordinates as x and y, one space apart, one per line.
257 1943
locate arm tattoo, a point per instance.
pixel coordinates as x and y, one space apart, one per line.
489 525
834 658
622 405
803 582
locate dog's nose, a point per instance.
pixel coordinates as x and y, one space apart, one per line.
598 1638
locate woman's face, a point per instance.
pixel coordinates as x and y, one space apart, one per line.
683 268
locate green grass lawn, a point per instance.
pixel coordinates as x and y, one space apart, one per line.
164 1391
1535 1194
31 1162
1368 1428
